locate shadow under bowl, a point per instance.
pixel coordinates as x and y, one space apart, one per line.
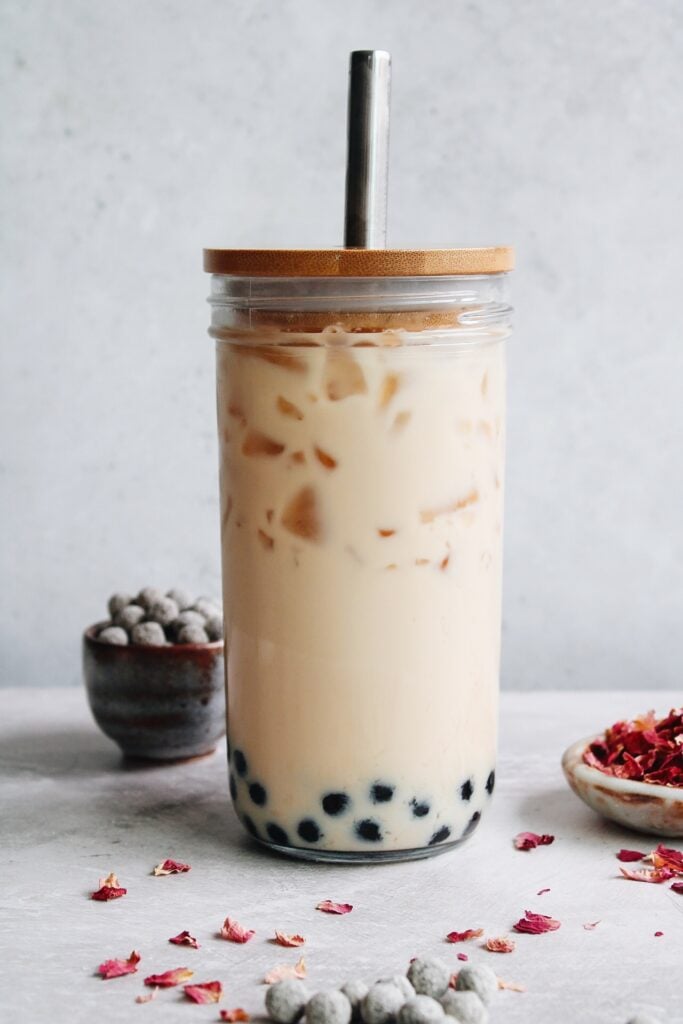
642 806
158 703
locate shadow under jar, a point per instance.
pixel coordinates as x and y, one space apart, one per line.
361 425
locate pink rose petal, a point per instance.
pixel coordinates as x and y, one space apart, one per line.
238 1014
171 867
530 840
283 939
630 855
536 924
117 968
169 978
469 933
590 925
235 932
654 875
282 971
329 907
501 945
184 939
204 992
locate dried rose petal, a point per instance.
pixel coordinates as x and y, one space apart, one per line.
501 945
536 924
147 997
235 932
109 889
469 933
171 867
283 939
511 986
282 971
542 891
204 992
329 907
658 935
654 875
169 978
630 855
184 939
462 956
117 968
237 1014
677 887
646 749
530 840
665 857
591 925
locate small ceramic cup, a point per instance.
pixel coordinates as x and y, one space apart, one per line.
158 703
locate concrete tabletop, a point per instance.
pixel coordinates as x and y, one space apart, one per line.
71 811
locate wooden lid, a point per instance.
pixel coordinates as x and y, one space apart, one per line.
358 262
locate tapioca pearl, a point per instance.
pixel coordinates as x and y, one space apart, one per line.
241 765
440 835
250 826
233 787
466 790
472 823
277 834
490 782
369 830
309 830
381 793
419 808
335 803
258 793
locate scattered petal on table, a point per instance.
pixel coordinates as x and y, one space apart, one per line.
117 968
233 931
469 933
536 924
204 992
171 867
283 939
329 907
169 978
184 939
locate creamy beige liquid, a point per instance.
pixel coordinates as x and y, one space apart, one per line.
361 482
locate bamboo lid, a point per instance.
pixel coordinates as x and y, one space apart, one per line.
358 262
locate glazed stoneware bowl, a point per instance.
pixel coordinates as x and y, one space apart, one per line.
158 703
642 806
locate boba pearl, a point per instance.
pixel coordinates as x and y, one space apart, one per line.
117 602
355 991
113 635
206 607
480 979
129 616
429 976
466 790
163 611
148 634
402 983
286 1000
382 1003
465 1007
328 1008
187 618
421 1010
192 635
149 596
214 627
181 597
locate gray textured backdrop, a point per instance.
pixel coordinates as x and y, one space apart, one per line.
139 130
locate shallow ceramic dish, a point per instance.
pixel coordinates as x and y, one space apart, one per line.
638 805
158 703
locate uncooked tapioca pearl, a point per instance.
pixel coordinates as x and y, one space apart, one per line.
421 1010
129 616
355 991
465 1007
214 627
328 1008
429 976
206 607
382 1003
192 635
164 611
149 596
113 635
186 618
118 601
286 1001
148 634
181 597
401 982
480 979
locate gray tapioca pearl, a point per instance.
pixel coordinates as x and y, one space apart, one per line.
118 601
465 1007
286 1000
149 596
206 607
181 597
429 976
163 611
355 991
401 982
113 635
129 616
480 979
149 634
328 1008
192 635
214 627
421 1010
382 1003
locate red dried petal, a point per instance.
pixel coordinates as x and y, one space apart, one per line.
591 925
235 932
530 840
501 945
542 891
630 855
536 924
109 889
204 992
171 867
645 749
329 907
658 935
462 956
184 939
470 933
654 875
677 887
117 968
666 857
283 939
282 971
169 978
235 1015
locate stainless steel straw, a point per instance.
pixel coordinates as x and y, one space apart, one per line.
367 161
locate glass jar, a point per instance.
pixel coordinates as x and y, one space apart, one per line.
361 423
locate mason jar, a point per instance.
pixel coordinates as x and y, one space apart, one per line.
361 419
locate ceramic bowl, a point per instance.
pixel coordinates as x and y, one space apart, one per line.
642 806
158 703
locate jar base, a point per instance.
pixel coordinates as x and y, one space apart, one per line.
358 856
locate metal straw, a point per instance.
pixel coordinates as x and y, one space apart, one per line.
367 162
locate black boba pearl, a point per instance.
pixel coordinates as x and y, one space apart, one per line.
439 837
240 763
335 803
466 790
308 830
490 783
381 793
250 826
277 834
369 830
233 787
472 823
420 808
258 794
